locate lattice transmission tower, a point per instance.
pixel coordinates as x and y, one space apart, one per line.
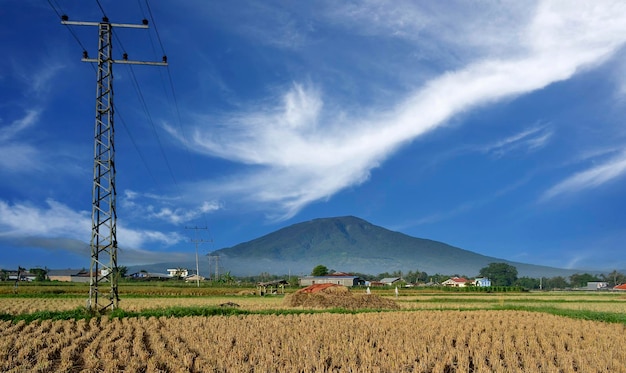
103 268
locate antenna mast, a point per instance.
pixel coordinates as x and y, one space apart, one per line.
103 244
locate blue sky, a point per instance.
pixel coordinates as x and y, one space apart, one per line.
494 127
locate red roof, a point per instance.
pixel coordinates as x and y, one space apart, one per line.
620 287
459 279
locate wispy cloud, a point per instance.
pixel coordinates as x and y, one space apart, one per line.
163 208
16 154
12 130
529 140
57 221
590 178
303 149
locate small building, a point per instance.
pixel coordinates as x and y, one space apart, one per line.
271 287
482 282
69 275
389 280
143 275
458 282
178 272
596 285
620 287
339 280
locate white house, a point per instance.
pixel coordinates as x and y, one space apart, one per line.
597 285
178 272
482 281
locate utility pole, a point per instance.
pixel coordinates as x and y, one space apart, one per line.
103 244
197 241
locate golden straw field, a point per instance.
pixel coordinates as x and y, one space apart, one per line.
416 341
432 332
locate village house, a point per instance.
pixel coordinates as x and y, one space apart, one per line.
456 282
482 281
178 272
341 279
388 281
597 285
69 275
143 275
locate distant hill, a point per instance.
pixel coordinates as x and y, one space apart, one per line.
350 244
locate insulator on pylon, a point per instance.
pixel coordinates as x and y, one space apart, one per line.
65 17
144 21
165 59
125 56
105 19
85 55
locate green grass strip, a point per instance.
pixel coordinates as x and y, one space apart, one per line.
82 313
610 317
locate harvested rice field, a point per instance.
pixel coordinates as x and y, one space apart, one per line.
413 332
415 341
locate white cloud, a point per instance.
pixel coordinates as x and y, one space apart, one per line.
303 149
590 178
17 155
58 221
459 29
12 130
137 204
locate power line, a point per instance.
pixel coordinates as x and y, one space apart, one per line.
132 140
156 30
64 17
149 116
172 90
101 9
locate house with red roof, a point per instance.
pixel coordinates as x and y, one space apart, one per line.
456 282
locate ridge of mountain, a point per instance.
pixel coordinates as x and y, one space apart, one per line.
351 244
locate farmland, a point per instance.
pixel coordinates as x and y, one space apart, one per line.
432 332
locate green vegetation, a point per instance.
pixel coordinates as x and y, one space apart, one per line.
319 270
597 306
611 317
82 313
500 274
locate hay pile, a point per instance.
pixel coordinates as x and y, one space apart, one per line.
336 296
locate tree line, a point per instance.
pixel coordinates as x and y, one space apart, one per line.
500 274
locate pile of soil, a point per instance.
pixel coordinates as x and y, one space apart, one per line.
336 296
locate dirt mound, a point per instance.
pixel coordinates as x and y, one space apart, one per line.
336 296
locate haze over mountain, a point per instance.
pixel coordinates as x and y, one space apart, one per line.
351 244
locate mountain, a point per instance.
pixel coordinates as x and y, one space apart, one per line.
350 244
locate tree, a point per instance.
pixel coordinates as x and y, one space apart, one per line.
579 281
120 272
557 282
319 270
528 283
500 274
40 274
614 278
